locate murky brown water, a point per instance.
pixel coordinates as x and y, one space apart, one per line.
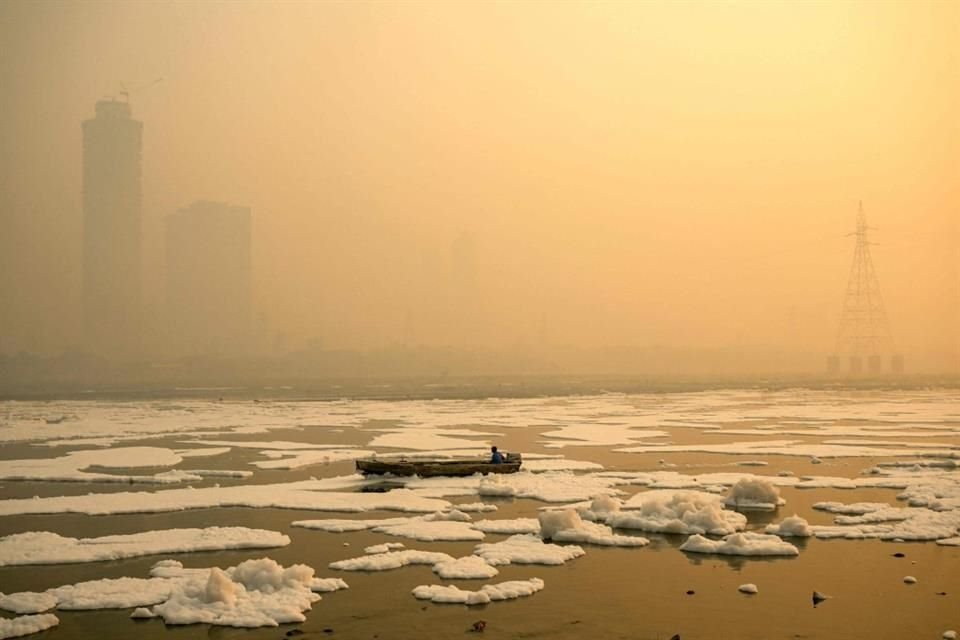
638 593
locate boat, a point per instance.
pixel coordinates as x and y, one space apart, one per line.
431 468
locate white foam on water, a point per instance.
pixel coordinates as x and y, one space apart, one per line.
307 494
485 595
598 435
508 526
202 453
814 451
740 544
465 568
527 549
27 602
793 526
476 507
552 487
435 531
254 593
681 512
26 625
391 560
385 547
754 493
567 526
43 547
73 466
299 459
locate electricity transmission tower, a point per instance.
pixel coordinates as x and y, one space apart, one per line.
864 335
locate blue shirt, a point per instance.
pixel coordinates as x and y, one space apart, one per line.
496 458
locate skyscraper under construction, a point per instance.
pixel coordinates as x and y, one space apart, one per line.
112 143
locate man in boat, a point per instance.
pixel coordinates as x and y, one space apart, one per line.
495 456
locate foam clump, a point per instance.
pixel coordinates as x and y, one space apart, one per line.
220 588
495 486
602 507
326 585
664 511
465 568
488 593
553 487
740 544
754 493
526 549
390 560
793 526
43 547
856 508
453 515
909 580
748 588
508 526
567 526
950 635
27 602
432 530
111 593
311 495
255 593
384 548
476 507
25 625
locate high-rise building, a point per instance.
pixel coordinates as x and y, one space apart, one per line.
209 276
112 142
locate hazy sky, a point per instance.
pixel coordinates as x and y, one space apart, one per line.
677 174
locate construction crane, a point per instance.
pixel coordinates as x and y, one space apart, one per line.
126 89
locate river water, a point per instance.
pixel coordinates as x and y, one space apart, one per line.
639 593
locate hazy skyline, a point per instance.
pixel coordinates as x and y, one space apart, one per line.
491 175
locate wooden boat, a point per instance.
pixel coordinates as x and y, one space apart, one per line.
430 468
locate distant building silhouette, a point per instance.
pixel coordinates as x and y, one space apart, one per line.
209 279
111 230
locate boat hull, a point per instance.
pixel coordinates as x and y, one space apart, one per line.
432 468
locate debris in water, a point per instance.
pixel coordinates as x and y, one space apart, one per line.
909 579
899 555
691 592
818 598
479 626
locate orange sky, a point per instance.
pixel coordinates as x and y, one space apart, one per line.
677 174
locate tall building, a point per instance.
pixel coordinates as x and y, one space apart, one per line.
209 279
112 142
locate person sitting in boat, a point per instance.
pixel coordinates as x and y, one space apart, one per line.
495 456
